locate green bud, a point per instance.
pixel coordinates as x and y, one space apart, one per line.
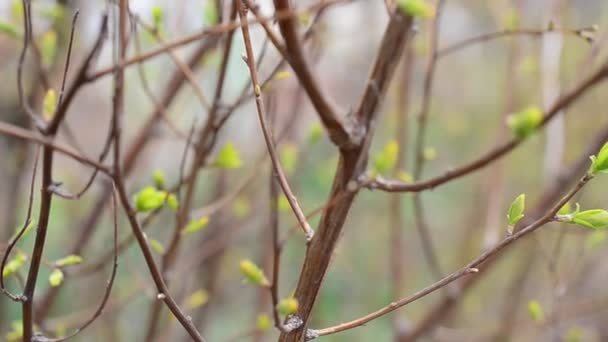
196 225
148 199
315 134
263 322
69 261
228 157
156 246
56 277
253 273
196 299
288 306
599 162
416 8
387 158
536 311
14 264
516 210
48 47
157 16
525 122
49 104
159 179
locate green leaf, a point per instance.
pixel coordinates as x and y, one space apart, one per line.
283 203
599 162
14 264
210 13
228 157
17 333
315 134
565 209
69 261
49 104
156 246
9 29
289 157
288 306
263 322
525 122
516 210
159 179
197 299
416 8
56 277
148 199
536 311
196 225
48 47
387 158
157 16
594 218
253 273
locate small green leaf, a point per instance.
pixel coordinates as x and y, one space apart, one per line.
148 199
516 210
525 122
48 47
9 29
16 334
56 277
69 261
228 157
283 203
159 179
210 13
594 218
157 16
171 201
599 162
289 157
416 8
197 299
288 306
49 104
263 322
253 273
241 207
429 153
14 264
196 225
536 311
315 134
386 159
156 246
565 209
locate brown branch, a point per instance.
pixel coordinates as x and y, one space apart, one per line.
350 166
268 138
495 154
472 267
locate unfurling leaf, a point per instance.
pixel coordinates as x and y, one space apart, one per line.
56 277
525 122
196 299
599 162
253 273
14 264
156 246
228 157
48 47
69 261
288 306
157 16
49 104
149 198
516 210
263 322
594 218
196 225
8 29
416 8
289 157
386 160
536 311
159 179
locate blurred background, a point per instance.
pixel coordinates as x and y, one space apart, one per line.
558 270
